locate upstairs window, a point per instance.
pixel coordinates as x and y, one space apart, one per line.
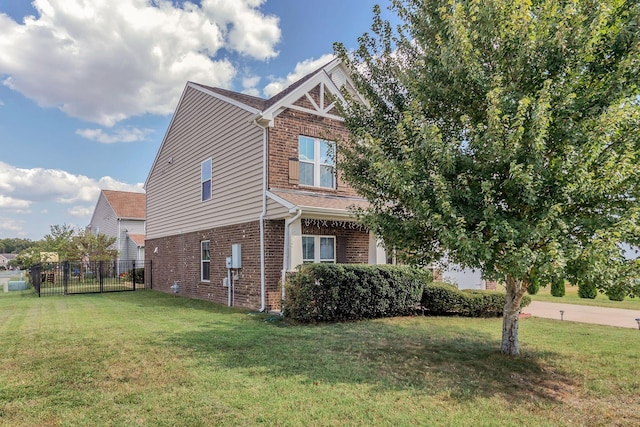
205 179
317 164
318 249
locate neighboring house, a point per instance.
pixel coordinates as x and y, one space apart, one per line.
237 173
122 214
466 278
4 260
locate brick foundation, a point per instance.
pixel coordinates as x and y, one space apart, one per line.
178 258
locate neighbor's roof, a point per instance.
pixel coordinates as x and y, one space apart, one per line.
9 257
138 239
127 204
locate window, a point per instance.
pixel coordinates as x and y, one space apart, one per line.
205 179
317 164
318 249
205 261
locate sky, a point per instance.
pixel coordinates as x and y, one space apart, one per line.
88 87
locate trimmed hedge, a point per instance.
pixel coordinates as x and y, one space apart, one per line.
557 288
340 292
587 290
445 299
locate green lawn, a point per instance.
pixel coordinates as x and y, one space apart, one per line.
571 297
148 358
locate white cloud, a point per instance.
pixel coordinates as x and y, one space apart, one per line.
249 84
54 185
10 224
106 60
119 135
14 204
81 211
250 32
302 69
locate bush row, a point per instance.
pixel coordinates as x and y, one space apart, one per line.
339 292
444 299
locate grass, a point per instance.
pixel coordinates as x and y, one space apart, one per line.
148 358
571 297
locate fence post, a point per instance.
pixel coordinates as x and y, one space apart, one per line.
133 273
100 279
35 277
65 276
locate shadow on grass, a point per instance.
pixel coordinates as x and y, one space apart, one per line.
434 356
454 357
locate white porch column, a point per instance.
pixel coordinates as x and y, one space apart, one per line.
377 254
295 244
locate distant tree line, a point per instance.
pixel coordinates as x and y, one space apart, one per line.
14 245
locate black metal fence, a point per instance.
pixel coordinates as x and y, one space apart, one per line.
76 277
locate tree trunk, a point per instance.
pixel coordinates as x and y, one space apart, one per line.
515 292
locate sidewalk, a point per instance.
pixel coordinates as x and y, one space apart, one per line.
583 313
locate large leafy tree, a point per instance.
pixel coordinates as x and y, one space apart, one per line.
88 246
501 135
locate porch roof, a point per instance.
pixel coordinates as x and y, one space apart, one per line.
138 239
317 203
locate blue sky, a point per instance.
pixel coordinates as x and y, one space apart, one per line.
87 87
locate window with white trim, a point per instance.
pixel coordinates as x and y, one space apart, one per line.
206 172
317 162
318 249
205 261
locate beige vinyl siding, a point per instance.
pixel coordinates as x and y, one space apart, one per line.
276 211
205 127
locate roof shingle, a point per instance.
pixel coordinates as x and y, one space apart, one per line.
126 204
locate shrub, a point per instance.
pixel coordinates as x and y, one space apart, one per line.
533 287
587 290
557 288
338 292
137 274
446 299
616 292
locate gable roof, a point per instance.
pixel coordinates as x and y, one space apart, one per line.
261 103
127 205
330 77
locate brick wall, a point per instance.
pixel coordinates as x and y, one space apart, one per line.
357 249
178 258
283 145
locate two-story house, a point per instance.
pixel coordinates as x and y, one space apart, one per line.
122 214
245 189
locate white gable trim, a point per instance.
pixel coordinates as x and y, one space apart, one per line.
290 206
226 99
326 84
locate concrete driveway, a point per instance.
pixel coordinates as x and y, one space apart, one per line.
584 313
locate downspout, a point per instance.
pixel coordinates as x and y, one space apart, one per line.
287 247
263 292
